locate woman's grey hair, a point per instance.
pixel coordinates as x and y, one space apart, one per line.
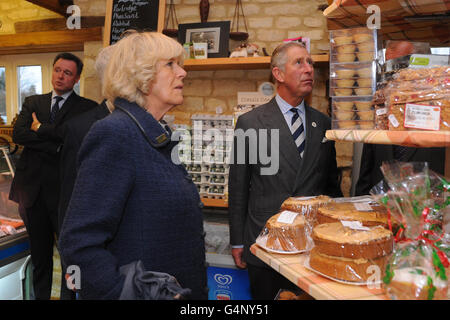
132 65
279 55
102 61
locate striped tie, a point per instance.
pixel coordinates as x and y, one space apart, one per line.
298 131
55 108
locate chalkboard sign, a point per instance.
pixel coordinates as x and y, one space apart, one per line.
122 15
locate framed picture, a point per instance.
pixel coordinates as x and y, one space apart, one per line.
215 34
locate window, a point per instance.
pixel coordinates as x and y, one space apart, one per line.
24 75
29 82
3 95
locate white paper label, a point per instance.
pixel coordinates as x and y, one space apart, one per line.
287 217
362 206
393 120
422 117
354 225
381 111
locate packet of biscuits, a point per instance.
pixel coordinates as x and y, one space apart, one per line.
419 198
289 231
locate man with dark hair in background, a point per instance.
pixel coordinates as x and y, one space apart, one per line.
35 186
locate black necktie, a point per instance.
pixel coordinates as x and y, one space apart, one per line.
55 108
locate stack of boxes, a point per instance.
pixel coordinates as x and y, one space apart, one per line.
206 153
354 57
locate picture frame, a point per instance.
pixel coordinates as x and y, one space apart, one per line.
215 33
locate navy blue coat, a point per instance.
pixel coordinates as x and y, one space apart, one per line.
131 202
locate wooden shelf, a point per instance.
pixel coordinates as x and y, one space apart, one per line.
419 139
238 63
221 203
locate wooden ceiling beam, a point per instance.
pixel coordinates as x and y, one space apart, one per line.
58 6
55 24
49 41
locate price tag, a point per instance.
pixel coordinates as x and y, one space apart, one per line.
381 111
393 120
422 117
287 217
362 206
354 225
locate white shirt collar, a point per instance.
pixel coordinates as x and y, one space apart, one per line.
64 95
285 107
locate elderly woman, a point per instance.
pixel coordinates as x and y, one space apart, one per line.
130 201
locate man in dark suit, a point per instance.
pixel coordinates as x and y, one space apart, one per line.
373 155
35 187
74 132
303 162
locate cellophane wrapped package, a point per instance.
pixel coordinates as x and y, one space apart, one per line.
349 252
289 231
419 99
420 200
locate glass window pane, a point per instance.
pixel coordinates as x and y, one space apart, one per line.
2 95
29 82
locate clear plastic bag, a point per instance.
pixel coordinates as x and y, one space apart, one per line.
418 198
289 231
350 252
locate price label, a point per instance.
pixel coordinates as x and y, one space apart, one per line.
354 225
362 206
422 117
287 217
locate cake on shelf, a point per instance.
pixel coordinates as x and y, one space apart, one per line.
285 231
350 253
369 214
304 204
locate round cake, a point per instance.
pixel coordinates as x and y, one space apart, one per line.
286 236
350 254
353 270
335 239
337 211
298 204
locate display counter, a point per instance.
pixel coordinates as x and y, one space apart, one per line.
291 266
14 243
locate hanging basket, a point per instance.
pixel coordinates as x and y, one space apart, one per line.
171 22
239 36
173 33
238 15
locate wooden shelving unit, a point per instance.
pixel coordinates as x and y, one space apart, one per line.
251 63
221 203
419 139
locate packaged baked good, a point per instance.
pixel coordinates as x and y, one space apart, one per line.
286 232
289 231
369 213
305 205
421 115
348 251
418 198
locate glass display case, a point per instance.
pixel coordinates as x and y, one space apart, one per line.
14 245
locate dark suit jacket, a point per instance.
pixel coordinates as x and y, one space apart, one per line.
254 198
74 132
38 163
374 155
